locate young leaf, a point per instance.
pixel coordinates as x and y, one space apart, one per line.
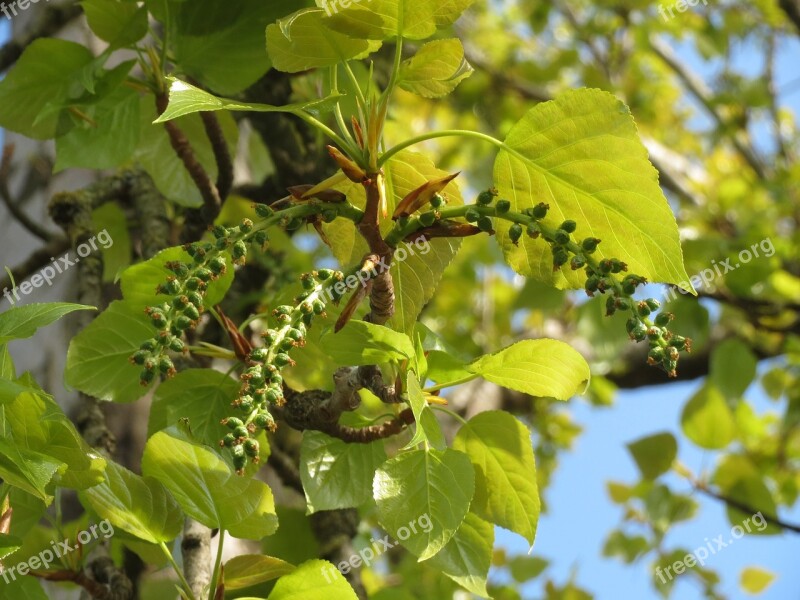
185 99
506 492
424 483
755 580
733 368
385 19
28 470
362 343
97 359
207 489
246 570
20 322
427 427
537 367
336 474
654 454
436 69
139 505
303 41
581 154
313 580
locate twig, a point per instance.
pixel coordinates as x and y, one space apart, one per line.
747 509
698 89
221 153
197 220
5 194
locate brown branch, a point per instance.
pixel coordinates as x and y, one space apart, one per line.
52 18
747 509
371 433
5 194
197 220
221 154
381 298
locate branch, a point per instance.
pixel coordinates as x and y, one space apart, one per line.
698 89
41 257
221 153
196 554
747 509
52 19
196 219
5 194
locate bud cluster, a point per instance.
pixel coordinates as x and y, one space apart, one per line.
261 380
187 287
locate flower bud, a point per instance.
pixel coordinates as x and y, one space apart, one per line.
569 226
503 206
540 210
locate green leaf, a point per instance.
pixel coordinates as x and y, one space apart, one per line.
313 580
707 419
202 397
185 99
435 70
21 322
28 470
525 568
44 76
35 422
24 588
111 223
7 368
108 142
537 367
119 23
362 343
207 489
247 570
427 430
755 580
581 154
9 544
139 281
336 474
429 485
303 41
221 44
733 368
417 267
385 19
468 555
654 454
139 505
98 357
506 491
627 548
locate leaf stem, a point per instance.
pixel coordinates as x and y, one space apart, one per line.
217 563
438 134
186 587
324 129
442 386
453 414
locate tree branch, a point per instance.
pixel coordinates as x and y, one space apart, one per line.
5 194
747 509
